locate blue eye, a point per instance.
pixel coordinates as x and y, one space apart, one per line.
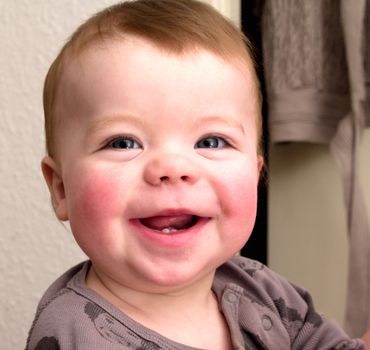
123 142
211 142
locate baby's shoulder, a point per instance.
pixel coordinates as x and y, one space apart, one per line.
285 310
60 285
59 314
266 288
70 315
245 271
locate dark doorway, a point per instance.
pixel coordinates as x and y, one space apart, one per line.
256 247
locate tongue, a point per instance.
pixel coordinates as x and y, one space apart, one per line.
160 222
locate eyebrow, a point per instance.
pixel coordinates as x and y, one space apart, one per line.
111 120
117 119
223 120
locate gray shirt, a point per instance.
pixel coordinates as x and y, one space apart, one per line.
261 308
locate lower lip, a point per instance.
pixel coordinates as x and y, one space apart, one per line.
176 239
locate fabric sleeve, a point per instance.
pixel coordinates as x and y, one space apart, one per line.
307 329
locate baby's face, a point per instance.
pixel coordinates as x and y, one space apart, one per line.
158 163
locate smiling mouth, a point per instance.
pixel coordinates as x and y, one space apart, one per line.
170 224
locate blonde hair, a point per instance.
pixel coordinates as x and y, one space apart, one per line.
174 25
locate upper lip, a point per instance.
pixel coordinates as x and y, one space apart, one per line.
170 212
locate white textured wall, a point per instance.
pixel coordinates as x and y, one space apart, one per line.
34 247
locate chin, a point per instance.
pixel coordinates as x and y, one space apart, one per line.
178 276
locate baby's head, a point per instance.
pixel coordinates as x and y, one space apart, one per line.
152 119
178 27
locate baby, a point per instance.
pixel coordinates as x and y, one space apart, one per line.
152 116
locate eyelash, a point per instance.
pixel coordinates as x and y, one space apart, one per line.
225 143
121 139
209 139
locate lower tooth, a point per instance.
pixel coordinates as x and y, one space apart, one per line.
168 230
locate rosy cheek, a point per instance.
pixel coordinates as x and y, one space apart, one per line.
242 200
246 196
93 203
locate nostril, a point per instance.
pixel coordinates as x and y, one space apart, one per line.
167 178
170 169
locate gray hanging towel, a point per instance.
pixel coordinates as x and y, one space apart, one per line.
317 72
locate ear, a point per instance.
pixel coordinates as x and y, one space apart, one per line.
260 163
55 184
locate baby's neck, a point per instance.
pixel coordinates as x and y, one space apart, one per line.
190 316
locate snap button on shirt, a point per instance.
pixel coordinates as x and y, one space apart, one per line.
266 323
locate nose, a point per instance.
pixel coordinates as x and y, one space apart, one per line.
171 169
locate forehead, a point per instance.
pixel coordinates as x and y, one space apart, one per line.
126 46
137 54
136 70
